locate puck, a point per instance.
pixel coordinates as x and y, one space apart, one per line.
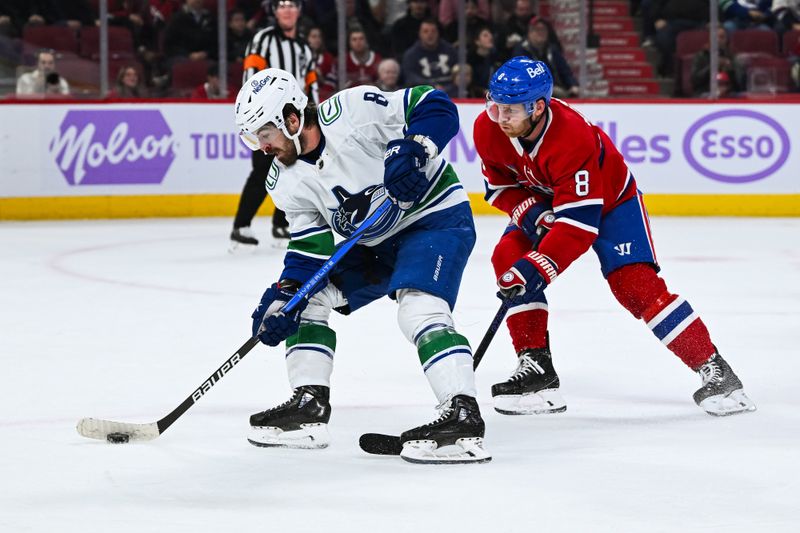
118 438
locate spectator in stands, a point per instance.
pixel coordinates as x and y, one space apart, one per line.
324 62
160 12
786 16
405 31
538 45
472 90
431 59
32 83
483 57
255 13
357 14
131 14
514 30
389 11
672 17
745 14
701 68
239 36
477 16
388 75
128 84
210 90
52 85
362 63
12 18
191 33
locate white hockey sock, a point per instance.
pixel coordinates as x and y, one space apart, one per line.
445 355
446 359
309 355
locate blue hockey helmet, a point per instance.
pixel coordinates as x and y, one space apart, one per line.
521 80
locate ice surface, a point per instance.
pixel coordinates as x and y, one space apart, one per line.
123 319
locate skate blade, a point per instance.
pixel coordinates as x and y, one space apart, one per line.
464 451
238 248
308 437
734 403
546 401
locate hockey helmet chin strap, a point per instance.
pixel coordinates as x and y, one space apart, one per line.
296 137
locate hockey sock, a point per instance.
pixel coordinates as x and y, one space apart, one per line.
309 355
446 359
671 319
527 324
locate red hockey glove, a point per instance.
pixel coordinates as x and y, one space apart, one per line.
530 215
527 277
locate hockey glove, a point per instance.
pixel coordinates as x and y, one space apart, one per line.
529 215
527 278
270 324
403 176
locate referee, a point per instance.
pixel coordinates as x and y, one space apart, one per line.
277 46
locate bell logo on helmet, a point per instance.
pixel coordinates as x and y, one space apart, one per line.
533 72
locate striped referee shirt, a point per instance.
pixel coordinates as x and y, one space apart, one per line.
270 48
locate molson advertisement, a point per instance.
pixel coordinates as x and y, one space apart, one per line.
698 151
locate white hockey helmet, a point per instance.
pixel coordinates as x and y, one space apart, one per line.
261 101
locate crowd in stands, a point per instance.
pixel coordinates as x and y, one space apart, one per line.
169 48
758 43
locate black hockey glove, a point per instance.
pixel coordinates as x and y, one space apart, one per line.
270 324
403 177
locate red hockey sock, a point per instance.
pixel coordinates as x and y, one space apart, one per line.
671 319
528 328
526 323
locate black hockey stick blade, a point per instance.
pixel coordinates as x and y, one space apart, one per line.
378 444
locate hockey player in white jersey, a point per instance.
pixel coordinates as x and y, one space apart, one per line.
333 166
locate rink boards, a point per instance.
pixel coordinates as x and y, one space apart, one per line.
80 160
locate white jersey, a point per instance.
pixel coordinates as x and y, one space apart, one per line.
328 199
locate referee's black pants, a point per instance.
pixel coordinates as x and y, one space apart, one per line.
255 192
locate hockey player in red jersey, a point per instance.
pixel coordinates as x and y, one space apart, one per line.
539 156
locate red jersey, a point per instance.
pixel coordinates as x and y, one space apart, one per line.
572 164
365 73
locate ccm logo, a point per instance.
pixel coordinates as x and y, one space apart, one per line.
736 146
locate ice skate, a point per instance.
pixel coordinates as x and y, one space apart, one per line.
455 437
280 237
532 388
242 239
722 393
300 422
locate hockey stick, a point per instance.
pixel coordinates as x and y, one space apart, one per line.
120 432
381 444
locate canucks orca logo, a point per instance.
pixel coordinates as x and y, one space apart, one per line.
355 208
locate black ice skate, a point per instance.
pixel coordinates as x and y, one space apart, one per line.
455 437
722 393
532 387
280 232
300 422
242 237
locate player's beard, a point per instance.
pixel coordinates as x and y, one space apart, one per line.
286 154
515 130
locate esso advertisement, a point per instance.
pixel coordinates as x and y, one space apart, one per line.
684 148
192 148
736 146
